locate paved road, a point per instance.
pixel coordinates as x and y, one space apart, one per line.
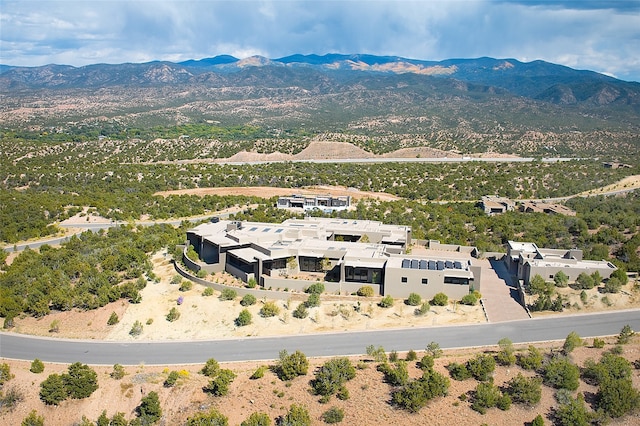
16 346
374 160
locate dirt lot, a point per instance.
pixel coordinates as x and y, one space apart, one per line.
368 402
268 192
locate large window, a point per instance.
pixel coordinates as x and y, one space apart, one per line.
310 264
456 280
363 275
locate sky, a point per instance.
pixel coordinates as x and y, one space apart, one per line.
598 35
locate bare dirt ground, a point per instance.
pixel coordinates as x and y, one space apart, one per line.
368 402
268 192
628 183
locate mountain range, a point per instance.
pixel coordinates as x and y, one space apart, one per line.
537 80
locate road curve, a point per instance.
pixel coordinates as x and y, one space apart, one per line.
15 346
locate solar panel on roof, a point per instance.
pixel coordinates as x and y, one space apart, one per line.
448 264
406 263
440 265
423 264
431 265
457 265
279 230
414 263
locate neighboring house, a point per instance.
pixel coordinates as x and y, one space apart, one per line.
540 207
492 205
342 253
326 203
526 260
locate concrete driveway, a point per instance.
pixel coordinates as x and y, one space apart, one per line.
499 294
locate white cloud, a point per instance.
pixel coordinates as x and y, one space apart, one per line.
603 36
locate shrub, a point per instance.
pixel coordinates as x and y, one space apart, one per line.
506 355
118 372
414 299
257 419
52 390
625 335
207 292
228 294
585 281
393 356
458 371
176 279
378 354
252 283
291 365
469 299
211 418
525 390
417 393
186 286
33 419
332 375
333 415
244 318
411 355
613 285
487 395
574 413
423 309
598 343
248 300
365 291
269 309
532 360
296 416
312 301
386 302
211 368
301 311
440 299
12 397
560 279
36 367
610 367
113 319
136 329
583 297
171 380
173 314
316 288
219 385
572 341
80 381
433 348
617 397
395 374
481 366
426 363
538 421
259 373
560 373
149 410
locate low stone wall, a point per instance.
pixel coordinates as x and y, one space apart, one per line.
329 287
258 292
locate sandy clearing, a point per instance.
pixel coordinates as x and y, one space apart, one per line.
268 192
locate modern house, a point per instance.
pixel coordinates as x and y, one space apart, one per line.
326 203
344 254
526 260
540 207
492 205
